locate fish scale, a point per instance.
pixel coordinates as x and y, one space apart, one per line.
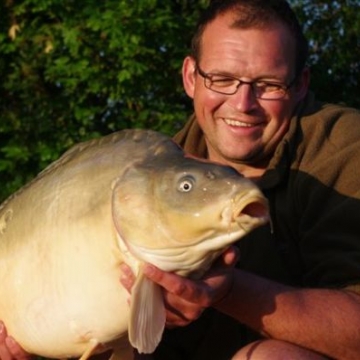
132 196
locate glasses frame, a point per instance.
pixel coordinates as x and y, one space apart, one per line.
208 83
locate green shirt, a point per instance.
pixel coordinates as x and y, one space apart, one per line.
313 187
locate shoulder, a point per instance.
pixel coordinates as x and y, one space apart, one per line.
326 146
323 128
331 125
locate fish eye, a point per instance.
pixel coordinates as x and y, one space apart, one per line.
186 184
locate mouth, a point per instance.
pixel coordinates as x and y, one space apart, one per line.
257 209
237 123
250 210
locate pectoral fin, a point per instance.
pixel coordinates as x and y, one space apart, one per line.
147 315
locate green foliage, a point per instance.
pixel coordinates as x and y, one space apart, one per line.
72 70
333 28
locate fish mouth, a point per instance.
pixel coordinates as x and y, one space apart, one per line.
247 210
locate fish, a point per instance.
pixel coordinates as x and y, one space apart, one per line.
130 197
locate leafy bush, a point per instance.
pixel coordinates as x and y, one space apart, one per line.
73 70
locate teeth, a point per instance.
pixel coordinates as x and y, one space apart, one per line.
237 123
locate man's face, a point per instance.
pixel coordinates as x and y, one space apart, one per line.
240 128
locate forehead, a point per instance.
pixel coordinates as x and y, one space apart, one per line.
267 49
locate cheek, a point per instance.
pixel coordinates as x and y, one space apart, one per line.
279 119
206 101
279 113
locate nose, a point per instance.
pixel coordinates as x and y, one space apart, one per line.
244 99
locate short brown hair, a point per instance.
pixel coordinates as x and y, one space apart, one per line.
254 14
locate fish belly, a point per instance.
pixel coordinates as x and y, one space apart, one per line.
59 280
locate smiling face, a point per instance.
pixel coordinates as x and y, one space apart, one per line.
241 130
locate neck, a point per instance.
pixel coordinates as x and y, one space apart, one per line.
252 172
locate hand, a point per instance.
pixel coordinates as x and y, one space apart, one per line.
9 348
186 299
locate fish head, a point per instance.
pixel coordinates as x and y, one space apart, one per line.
179 213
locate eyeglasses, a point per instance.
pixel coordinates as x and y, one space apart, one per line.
229 85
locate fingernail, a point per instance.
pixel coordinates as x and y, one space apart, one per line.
149 270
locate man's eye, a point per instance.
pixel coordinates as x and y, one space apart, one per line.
222 81
268 87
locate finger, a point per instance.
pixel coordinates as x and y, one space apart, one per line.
127 277
229 257
4 352
16 350
188 290
181 314
3 333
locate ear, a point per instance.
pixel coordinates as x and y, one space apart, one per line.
188 75
302 85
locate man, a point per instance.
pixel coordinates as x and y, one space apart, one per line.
294 293
296 283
